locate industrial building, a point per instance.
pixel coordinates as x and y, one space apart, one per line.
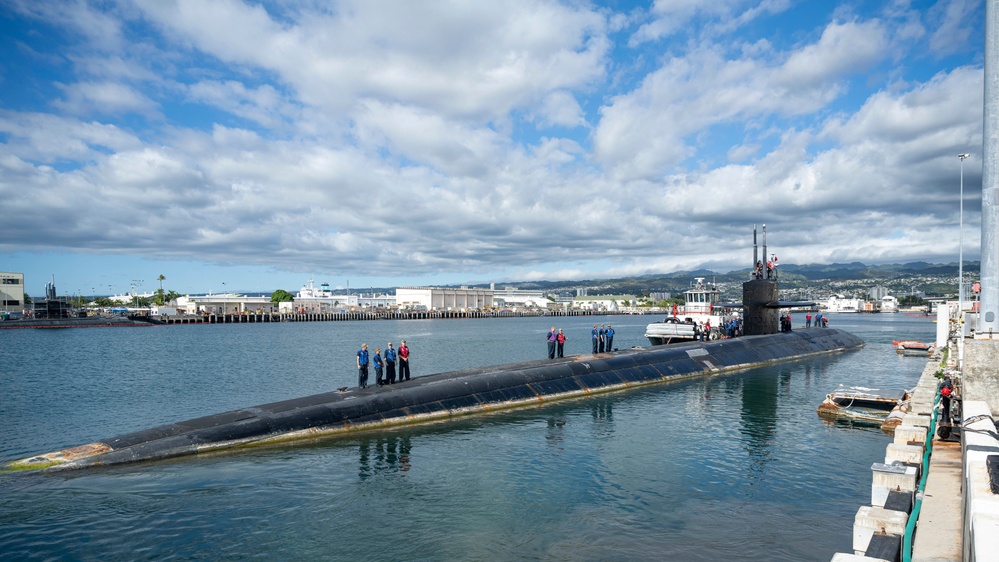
443 298
11 292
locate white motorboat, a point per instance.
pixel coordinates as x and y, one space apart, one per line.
702 307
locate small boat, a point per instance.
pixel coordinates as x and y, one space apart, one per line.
670 330
702 306
864 405
913 347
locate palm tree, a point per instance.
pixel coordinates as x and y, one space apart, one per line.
159 298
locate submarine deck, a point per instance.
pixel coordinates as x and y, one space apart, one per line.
445 395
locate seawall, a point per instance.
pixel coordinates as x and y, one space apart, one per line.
446 395
934 498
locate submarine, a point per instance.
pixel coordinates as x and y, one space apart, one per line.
452 394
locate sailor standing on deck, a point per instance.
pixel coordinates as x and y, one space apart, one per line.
552 339
602 333
377 361
560 340
593 335
362 366
403 361
389 364
609 337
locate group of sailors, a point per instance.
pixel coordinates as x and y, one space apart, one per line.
384 367
603 338
556 343
730 328
820 321
785 322
771 268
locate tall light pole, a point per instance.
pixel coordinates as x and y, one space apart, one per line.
960 258
135 297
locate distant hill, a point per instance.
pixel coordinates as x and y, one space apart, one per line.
857 270
790 273
677 281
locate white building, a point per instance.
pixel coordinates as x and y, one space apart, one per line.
513 297
889 304
610 303
11 292
878 293
162 310
227 303
376 301
131 298
443 298
312 299
839 303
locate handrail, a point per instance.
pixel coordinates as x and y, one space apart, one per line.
910 526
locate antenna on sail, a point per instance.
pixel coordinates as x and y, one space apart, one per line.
756 250
765 241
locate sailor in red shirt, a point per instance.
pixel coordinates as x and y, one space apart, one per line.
403 361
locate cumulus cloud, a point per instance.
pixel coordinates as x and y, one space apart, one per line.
523 140
104 98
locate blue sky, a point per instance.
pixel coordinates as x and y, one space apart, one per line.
253 146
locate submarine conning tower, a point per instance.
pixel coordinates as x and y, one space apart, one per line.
760 295
759 318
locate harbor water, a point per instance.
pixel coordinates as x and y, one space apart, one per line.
736 466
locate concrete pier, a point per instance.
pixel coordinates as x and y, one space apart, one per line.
955 505
345 316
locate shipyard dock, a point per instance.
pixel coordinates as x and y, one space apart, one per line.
346 316
935 496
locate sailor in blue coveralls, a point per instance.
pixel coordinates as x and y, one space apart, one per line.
377 361
362 366
389 364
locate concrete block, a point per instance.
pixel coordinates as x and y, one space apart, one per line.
903 453
904 434
916 420
985 536
921 405
981 505
843 557
981 378
899 501
870 520
888 477
888 547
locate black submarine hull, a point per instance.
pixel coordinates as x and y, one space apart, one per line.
445 395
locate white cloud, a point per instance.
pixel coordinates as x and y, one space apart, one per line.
950 20
561 109
467 61
107 98
41 137
843 49
264 105
645 131
393 140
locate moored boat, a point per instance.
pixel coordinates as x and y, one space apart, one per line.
701 308
913 347
862 404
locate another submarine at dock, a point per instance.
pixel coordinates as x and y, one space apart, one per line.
446 395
